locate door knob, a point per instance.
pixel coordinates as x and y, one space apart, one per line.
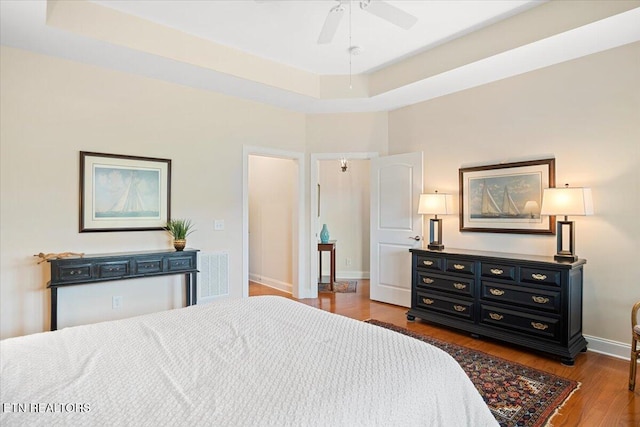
416 238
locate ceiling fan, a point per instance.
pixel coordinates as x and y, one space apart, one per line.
379 8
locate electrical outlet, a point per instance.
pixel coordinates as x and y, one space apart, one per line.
347 261
116 302
218 224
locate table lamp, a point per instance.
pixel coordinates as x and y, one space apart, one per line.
566 201
435 204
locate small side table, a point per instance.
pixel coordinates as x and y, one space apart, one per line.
330 246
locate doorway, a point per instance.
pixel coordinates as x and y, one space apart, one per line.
331 193
273 219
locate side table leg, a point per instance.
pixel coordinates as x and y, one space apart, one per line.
333 267
187 288
54 308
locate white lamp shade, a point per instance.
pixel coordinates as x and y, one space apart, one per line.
567 201
437 203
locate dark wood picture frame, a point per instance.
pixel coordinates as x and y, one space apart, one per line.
124 193
506 197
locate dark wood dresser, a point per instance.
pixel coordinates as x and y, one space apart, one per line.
96 268
528 300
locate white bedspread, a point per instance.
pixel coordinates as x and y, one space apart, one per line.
247 362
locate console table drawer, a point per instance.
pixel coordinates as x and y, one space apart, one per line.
449 284
498 271
149 266
530 324
183 263
73 273
458 308
536 275
432 263
113 269
534 298
460 266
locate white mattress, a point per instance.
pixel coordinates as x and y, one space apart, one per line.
259 361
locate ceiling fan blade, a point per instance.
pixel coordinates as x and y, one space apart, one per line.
331 24
388 12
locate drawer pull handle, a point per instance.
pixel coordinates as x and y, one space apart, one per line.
497 271
538 276
539 326
459 308
496 292
458 266
428 280
496 316
459 285
427 262
540 300
427 301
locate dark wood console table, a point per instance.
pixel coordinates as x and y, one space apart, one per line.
122 266
330 246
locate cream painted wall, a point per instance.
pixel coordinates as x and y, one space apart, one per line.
347 132
271 206
586 114
344 207
50 109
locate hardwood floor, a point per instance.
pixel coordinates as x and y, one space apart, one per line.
603 398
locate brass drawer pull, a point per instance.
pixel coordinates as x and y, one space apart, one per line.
427 262
539 326
428 280
496 292
427 301
496 316
459 308
496 271
459 285
540 300
458 266
538 276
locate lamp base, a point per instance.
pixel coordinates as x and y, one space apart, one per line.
560 257
435 246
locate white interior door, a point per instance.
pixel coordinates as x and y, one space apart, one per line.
396 226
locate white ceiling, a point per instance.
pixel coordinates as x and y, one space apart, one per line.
286 32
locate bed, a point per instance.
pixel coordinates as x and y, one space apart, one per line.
256 361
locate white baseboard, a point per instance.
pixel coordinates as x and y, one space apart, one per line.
272 283
610 348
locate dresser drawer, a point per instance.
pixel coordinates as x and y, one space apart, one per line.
529 324
428 262
521 295
181 263
74 273
460 266
461 286
454 307
536 275
149 266
113 269
498 271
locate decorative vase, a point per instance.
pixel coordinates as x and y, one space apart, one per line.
179 244
324 234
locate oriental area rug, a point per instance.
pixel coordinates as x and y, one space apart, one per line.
344 286
516 394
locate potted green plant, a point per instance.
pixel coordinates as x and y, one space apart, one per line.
179 230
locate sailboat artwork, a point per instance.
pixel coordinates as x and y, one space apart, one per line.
126 193
504 198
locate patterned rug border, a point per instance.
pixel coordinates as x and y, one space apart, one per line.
351 286
545 417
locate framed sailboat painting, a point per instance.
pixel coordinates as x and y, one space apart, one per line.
506 198
124 193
